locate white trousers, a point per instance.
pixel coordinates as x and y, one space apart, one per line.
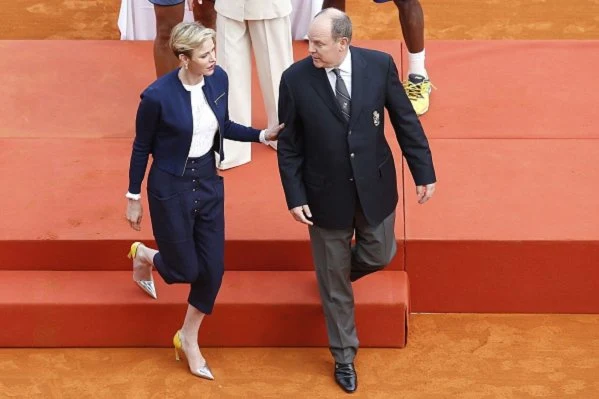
137 20
302 15
273 52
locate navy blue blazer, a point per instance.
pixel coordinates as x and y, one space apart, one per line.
325 160
164 125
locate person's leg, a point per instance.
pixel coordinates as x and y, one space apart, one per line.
375 246
189 339
172 218
209 236
338 4
273 52
417 84
411 19
233 48
143 262
172 225
166 19
204 13
332 260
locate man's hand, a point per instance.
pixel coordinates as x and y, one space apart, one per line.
134 214
273 133
301 214
425 193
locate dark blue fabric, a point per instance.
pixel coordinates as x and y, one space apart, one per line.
164 125
324 159
166 2
187 214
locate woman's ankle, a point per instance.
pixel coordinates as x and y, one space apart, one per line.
146 255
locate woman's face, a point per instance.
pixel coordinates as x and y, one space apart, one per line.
203 59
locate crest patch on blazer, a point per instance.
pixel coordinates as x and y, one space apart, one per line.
376 118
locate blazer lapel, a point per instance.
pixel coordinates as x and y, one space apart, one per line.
184 97
213 98
209 90
321 84
209 93
358 82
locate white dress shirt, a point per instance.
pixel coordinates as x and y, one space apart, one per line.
344 71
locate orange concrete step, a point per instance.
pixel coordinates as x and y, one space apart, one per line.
80 206
106 309
100 107
504 89
513 227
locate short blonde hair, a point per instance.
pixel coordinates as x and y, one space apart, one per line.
188 36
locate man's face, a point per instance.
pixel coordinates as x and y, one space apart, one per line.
325 52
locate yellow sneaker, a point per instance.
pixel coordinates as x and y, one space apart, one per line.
418 88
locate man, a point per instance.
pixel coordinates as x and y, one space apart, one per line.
411 18
265 26
337 170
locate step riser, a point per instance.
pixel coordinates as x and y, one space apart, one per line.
230 326
500 277
105 308
108 255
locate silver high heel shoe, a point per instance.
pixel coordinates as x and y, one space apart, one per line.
202 372
146 285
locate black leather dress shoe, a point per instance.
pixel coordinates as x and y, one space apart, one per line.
345 376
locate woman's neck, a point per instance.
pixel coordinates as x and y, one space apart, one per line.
188 78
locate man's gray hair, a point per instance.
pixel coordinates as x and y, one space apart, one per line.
340 23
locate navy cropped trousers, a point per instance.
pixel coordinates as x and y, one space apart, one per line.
187 214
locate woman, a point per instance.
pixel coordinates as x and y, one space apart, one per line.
182 119
168 14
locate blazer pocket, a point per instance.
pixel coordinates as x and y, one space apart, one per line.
161 185
168 217
162 196
314 179
219 97
384 166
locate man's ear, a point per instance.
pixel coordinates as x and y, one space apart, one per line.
344 42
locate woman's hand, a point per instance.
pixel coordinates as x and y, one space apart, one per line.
273 133
134 214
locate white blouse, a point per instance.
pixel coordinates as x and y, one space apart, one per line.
205 124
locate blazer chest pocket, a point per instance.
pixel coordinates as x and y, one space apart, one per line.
219 98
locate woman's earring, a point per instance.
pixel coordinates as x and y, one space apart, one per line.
186 66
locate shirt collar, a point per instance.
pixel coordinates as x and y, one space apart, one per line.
345 65
195 87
